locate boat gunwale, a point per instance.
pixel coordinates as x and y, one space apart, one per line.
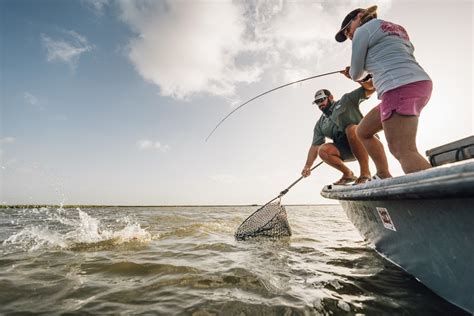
448 181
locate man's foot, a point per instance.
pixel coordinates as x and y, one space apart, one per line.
380 176
346 179
362 179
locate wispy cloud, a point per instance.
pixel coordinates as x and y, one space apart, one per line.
97 6
67 49
32 100
212 46
147 144
7 140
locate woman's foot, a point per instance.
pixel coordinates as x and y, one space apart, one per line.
382 175
362 179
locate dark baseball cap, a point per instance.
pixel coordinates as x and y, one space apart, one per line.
340 36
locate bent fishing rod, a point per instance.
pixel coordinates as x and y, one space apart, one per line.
262 94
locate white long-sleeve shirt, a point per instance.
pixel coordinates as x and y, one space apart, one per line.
384 49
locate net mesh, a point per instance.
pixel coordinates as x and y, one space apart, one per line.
268 221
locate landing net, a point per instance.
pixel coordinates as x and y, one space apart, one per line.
268 221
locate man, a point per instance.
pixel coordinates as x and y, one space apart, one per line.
338 123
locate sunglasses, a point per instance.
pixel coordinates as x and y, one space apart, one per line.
347 29
319 101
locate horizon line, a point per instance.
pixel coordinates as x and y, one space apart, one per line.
171 205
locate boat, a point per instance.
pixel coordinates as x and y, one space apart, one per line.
423 221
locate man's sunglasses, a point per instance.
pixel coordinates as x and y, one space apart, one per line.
319 101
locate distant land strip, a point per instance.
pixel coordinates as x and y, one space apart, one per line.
27 206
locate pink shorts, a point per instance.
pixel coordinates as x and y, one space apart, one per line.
408 99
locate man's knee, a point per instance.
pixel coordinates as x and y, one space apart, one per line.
323 152
328 151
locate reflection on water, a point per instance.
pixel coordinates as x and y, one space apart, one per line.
184 260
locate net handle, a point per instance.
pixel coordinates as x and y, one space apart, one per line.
299 179
291 185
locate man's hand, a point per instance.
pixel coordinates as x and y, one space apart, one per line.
367 84
366 78
345 72
306 171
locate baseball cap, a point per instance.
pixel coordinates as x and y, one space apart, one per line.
340 36
320 94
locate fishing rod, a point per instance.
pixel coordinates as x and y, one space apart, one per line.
261 94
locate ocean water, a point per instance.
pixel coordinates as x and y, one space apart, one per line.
185 260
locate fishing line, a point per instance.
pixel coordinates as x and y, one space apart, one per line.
261 94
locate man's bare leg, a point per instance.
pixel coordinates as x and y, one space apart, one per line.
331 155
358 150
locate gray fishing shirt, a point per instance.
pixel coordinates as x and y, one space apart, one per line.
344 112
384 49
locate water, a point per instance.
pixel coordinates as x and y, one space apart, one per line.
184 260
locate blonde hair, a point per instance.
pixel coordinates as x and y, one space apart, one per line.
369 14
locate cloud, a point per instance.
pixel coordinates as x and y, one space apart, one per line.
7 140
146 144
213 46
97 6
67 49
32 100
189 47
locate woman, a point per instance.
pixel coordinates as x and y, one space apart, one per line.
384 49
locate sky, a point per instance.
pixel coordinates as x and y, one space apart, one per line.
110 102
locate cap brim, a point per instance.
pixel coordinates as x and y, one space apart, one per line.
340 37
318 99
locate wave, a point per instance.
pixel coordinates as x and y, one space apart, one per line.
76 231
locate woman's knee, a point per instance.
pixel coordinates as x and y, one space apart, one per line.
402 151
401 148
351 131
363 133
395 149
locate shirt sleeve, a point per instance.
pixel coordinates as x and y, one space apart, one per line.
360 45
318 137
354 98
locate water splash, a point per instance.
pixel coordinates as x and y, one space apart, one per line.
65 229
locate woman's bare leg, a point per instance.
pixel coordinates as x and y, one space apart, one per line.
366 131
400 132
